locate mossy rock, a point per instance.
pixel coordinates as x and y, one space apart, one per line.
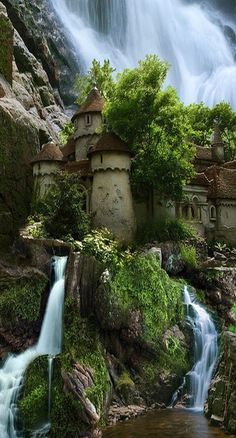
125 387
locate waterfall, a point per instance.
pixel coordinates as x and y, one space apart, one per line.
49 343
205 350
192 37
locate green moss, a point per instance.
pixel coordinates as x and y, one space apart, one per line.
125 386
141 284
22 300
189 255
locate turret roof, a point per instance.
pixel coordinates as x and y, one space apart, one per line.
110 142
49 152
93 104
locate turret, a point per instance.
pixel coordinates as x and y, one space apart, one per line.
86 122
45 166
111 199
218 150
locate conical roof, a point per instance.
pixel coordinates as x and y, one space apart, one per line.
49 152
94 103
110 142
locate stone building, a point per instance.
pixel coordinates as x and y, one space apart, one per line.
103 162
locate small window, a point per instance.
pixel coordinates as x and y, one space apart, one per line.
212 213
101 157
88 119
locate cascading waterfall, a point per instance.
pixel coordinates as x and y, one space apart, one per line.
49 343
191 36
205 350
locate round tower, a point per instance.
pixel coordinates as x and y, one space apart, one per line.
86 122
45 165
111 198
218 149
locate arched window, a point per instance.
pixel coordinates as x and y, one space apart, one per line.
212 213
84 199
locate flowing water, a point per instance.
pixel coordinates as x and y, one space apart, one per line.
196 37
205 350
49 343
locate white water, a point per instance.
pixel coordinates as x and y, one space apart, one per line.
49 343
189 36
205 350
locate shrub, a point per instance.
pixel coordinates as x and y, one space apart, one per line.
62 211
163 230
189 255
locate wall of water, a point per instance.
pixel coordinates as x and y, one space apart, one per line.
49 343
195 37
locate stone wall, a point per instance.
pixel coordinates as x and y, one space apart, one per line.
221 406
6 45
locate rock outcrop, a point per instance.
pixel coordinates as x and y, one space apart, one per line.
221 406
30 113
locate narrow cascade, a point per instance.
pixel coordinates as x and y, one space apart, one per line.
191 36
49 343
205 351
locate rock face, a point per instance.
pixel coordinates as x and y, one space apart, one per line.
30 113
39 27
221 406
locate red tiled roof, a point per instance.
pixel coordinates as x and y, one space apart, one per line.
93 103
110 142
223 182
69 148
200 179
49 152
82 167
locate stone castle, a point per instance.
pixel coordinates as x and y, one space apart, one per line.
103 162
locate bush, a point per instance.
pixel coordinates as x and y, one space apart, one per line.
163 230
62 211
189 255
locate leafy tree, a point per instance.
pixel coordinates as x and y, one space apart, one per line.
155 124
99 75
66 132
63 210
203 119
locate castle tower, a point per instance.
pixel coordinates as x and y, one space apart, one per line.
111 199
45 166
218 150
86 122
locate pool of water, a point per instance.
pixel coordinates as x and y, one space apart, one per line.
168 423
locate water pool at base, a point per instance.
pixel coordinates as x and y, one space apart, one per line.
167 423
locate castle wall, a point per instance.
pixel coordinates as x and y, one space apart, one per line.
44 176
111 203
85 134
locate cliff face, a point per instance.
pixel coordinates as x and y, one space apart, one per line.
43 35
222 395
30 112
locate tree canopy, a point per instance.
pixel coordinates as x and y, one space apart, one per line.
158 127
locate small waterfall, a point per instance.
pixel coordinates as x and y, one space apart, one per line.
49 343
205 350
191 35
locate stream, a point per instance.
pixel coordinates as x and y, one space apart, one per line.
167 423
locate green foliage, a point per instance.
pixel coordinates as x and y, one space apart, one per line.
202 120
104 247
232 327
163 230
141 284
99 75
22 300
66 132
125 386
33 404
62 211
189 255
155 125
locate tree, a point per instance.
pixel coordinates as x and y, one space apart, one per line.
63 210
156 126
99 75
202 120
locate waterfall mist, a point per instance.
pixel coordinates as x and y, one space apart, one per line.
197 38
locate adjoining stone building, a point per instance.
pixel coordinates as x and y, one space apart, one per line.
103 163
